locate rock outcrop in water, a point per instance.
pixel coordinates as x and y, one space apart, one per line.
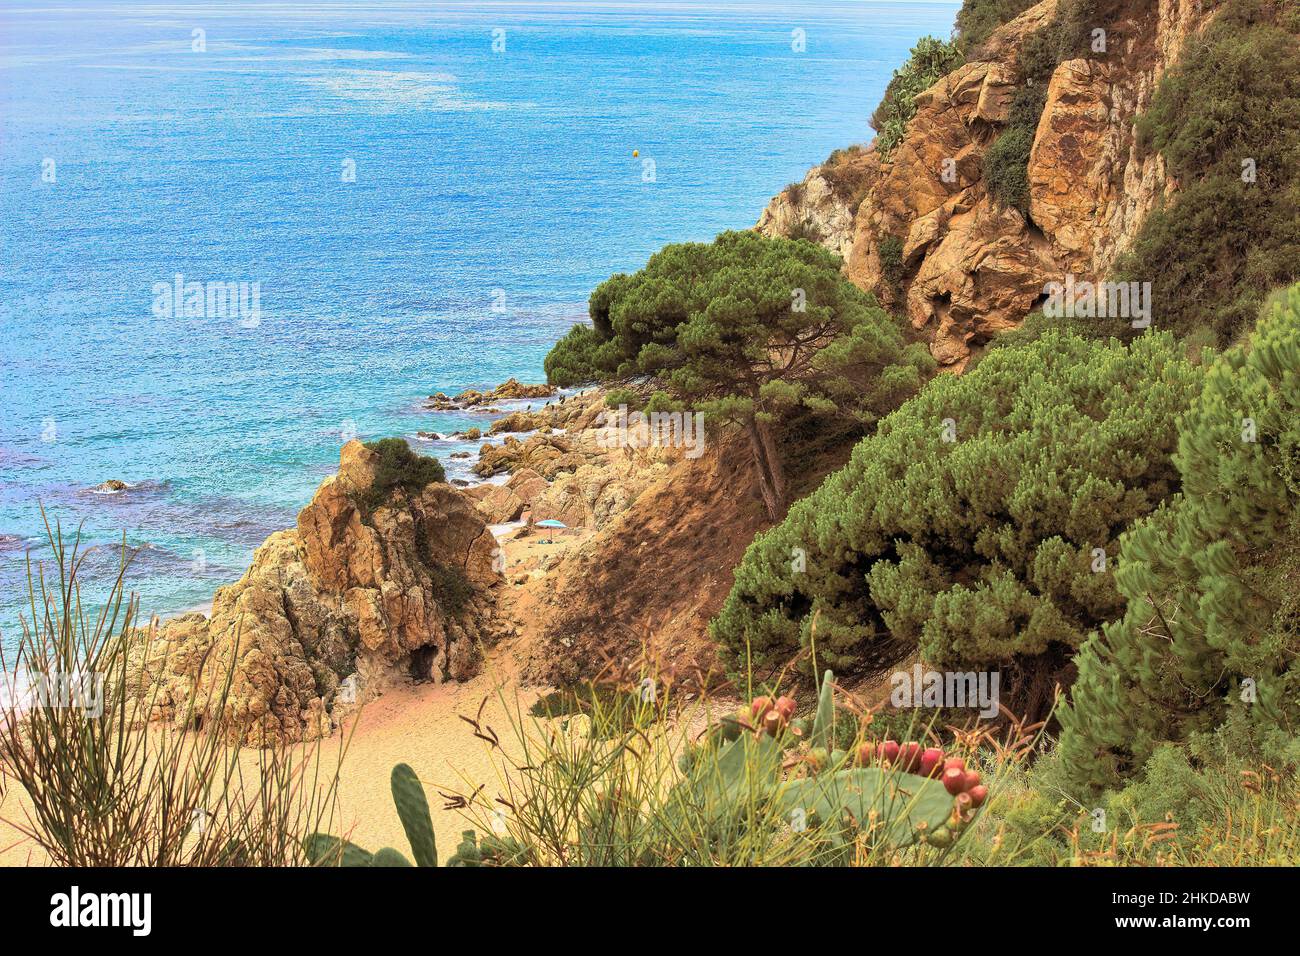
971 268
510 389
338 607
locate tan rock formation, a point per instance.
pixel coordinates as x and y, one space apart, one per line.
973 269
821 208
407 590
473 398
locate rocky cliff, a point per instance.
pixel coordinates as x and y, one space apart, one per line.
334 610
970 267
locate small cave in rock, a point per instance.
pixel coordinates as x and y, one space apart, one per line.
421 664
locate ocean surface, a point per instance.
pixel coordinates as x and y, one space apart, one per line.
409 197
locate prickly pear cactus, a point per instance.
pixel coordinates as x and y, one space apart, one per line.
413 810
897 794
488 850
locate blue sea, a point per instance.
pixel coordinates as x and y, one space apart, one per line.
411 197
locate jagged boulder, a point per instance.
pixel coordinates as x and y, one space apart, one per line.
376 594
520 422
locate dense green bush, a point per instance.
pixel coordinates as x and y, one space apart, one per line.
979 550
576 359
1221 243
1006 167
747 330
892 266
399 467
931 60
451 588
1211 578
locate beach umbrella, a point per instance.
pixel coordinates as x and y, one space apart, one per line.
551 523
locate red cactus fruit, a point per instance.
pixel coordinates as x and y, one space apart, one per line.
978 795
931 762
909 757
865 754
963 802
972 779
772 723
954 780
759 707
955 762
889 752
785 706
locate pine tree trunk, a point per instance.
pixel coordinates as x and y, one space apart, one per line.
771 476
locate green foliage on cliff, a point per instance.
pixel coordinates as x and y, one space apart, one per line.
577 359
1211 579
892 266
747 330
1226 119
451 587
931 60
399 467
1006 166
966 525
1070 34
977 19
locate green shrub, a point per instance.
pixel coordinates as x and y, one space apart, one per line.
1210 579
399 467
931 60
892 268
103 782
1006 167
451 588
978 550
622 396
1220 244
576 359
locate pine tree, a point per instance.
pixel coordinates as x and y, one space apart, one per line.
978 522
747 330
1208 606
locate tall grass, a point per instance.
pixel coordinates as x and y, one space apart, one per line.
105 786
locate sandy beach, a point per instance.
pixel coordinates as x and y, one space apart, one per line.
417 724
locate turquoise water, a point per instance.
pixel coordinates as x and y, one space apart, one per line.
492 190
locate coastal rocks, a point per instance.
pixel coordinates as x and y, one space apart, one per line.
527 484
511 389
595 493
520 422
927 238
110 487
499 504
403 591
654 572
548 455
821 208
582 476
1071 169
977 281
